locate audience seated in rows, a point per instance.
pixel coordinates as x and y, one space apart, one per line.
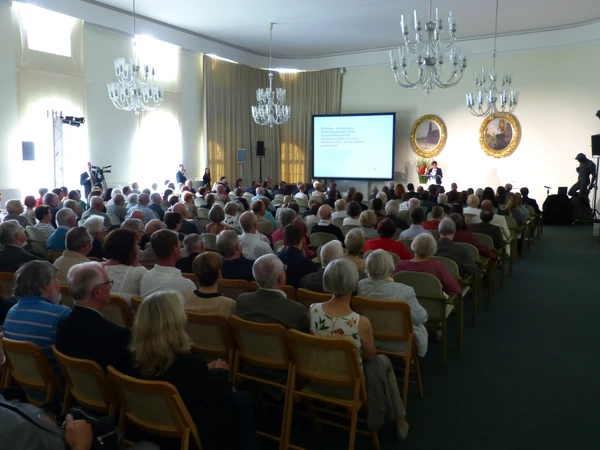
447 248
79 244
12 237
486 226
329 252
193 246
325 226
254 243
15 211
118 207
235 265
386 230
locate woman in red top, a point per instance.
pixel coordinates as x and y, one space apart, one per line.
386 229
425 247
40 200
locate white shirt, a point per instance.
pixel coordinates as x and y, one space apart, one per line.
253 247
301 195
337 214
351 221
162 278
403 206
469 210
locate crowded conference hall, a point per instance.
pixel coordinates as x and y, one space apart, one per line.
345 225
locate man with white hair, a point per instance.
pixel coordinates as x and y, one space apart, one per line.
472 205
447 248
325 226
222 193
85 333
15 208
142 205
117 206
269 304
12 256
329 252
96 228
66 220
260 192
235 265
391 211
253 246
340 209
443 202
374 192
413 203
155 205
193 245
96 209
52 200
79 244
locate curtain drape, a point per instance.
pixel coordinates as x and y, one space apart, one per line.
231 92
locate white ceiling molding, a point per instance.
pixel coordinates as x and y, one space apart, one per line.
108 17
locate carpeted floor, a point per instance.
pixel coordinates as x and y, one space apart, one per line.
528 376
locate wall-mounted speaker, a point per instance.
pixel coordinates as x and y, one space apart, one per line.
28 151
260 149
596 145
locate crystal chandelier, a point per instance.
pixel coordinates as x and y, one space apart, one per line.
134 89
429 51
485 100
270 109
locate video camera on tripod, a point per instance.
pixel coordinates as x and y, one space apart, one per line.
100 171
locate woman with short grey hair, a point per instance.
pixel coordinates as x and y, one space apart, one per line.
355 244
335 319
381 286
340 209
216 216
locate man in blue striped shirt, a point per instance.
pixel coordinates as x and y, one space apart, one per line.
35 317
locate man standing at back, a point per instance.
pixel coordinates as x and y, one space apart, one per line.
85 333
270 304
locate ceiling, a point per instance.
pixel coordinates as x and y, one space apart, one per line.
317 28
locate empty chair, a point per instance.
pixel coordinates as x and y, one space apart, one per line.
211 336
203 212
346 229
118 312
37 242
233 288
319 239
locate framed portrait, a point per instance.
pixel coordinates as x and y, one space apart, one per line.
428 136
499 135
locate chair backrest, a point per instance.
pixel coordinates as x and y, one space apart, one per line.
199 201
394 256
118 312
30 368
404 214
429 293
511 222
449 264
265 226
471 249
278 246
210 334
346 229
315 198
290 291
7 283
407 243
53 256
220 203
485 240
153 406
435 234
135 303
87 383
65 296
233 288
338 222
302 202
307 297
203 212
248 196
210 241
114 219
232 196
318 239
36 241
325 361
192 276
391 320
260 344
278 199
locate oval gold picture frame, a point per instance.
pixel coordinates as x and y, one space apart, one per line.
499 135
428 136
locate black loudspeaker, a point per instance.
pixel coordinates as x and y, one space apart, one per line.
557 210
596 145
562 190
28 151
260 149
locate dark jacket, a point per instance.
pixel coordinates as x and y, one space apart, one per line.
185 264
460 255
438 175
97 250
13 257
86 334
313 281
243 201
180 177
188 227
400 223
297 265
331 229
265 306
491 230
238 269
158 210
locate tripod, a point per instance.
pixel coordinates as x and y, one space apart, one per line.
595 212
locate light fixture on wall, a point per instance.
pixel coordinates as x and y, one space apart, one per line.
134 89
270 109
485 100
429 51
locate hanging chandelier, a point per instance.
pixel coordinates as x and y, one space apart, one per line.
429 51
485 100
270 109
134 89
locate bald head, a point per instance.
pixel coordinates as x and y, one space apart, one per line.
138 214
260 191
325 212
180 209
487 205
248 222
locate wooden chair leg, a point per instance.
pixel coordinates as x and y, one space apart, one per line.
353 424
444 339
289 410
460 321
418 372
312 414
407 362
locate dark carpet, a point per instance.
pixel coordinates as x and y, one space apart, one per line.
528 376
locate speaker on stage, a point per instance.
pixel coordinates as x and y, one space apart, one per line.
596 145
28 151
260 149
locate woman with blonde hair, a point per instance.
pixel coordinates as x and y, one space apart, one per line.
399 191
368 220
161 350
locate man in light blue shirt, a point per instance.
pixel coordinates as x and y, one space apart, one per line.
417 215
66 219
143 202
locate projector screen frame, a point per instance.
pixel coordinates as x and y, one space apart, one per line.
312 147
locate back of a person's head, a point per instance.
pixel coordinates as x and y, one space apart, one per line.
258 207
405 197
392 208
293 234
458 220
367 219
413 203
248 222
437 212
379 264
340 277
227 242
410 187
33 277
94 224
193 243
64 215
386 228
154 225
353 209
524 191
355 241
207 268
158 333
424 245
447 227
473 201
287 216
232 208
41 211
164 243
210 199
216 214
377 204
486 215
77 238
314 209
330 252
121 245
453 196
442 199
135 225
340 205
267 271
30 201
456 207
424 196
42 192
172 220
417 216
82 279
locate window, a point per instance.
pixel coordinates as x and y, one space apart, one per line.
46 31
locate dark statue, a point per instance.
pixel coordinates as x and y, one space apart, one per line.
586 178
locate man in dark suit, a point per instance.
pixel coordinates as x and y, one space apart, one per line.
270 304
529 201
325 226
447 248
297 265
437 172
85 333
88 180
235 266
181 175
486 227
411 191
12 256
282 189
329 252
194 246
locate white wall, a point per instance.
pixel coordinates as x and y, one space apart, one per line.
559 100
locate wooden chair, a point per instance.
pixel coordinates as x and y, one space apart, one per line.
210 241
87 384
346 229
290 291
135 303
233 288
492 265
465 288
31 370
154 407
319 363
65 296
429 294
307 297
211 336
318 239
391 322
263 346
36 242
7 283
118 312
338 222
191 276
